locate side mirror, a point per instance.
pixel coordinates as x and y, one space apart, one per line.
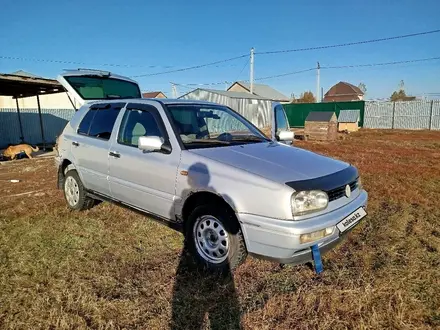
286 136
150 143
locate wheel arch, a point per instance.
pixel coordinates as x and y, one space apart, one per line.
65 165
202 198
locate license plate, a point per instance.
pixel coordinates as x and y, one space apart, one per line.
351 220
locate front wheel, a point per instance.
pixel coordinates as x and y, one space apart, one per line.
215 239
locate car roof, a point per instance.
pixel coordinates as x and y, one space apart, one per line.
163 101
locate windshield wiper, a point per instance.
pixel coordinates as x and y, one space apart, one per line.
250 138
206 141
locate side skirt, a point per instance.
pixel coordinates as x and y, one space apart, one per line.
164 221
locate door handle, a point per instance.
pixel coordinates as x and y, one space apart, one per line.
114 154
75 144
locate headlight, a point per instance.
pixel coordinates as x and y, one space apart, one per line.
360 183
304 202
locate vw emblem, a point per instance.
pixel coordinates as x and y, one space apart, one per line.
347 191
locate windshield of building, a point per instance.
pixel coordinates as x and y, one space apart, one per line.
201 126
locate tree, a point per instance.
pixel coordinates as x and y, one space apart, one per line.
306 97
363 87
401 96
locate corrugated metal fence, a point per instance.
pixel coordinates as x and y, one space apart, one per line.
54 121
403 114
255 110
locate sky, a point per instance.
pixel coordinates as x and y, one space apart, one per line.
142 37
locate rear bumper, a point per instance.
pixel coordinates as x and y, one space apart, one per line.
279 240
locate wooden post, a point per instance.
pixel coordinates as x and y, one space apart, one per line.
394 109
430 115
19 120
41 122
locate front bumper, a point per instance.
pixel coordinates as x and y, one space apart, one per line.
279 240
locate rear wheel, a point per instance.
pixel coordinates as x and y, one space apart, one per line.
214 238
75 193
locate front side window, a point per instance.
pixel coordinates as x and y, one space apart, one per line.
281 120
205 126
99 88
103 122
137 123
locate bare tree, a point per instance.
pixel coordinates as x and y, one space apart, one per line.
363 87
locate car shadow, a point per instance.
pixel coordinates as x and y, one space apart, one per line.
202 299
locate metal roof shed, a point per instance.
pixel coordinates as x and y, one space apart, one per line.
348 120
255 108
26 85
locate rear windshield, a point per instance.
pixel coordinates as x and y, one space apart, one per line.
96 88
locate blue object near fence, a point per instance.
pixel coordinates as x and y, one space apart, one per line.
317 261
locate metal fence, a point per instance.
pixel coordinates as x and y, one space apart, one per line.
54 121
298 112
403 114
258 111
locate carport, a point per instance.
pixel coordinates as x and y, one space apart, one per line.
23 86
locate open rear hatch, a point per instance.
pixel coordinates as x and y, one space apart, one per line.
93 85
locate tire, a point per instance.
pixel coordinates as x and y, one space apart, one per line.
75 193
214 238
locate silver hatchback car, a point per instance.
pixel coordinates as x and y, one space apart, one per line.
204 169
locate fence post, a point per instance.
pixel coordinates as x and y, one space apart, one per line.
394 109
430 115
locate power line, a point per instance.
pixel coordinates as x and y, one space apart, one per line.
245 65
190 67
220 61
285 74
380 64
349 43
324 67
81 63
203 84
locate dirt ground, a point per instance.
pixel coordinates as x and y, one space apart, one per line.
109 268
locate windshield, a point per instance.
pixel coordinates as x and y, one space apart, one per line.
201 126
99 88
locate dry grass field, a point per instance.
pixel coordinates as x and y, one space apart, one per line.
109 268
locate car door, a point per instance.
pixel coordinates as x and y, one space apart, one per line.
91 144
145 180
279 122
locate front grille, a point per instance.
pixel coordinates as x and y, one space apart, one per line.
339 192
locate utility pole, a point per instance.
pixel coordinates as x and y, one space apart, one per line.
318 89
174 90
251 78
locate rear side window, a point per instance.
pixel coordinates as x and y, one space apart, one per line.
84 126
103 122
99 123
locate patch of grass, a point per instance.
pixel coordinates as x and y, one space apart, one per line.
109 268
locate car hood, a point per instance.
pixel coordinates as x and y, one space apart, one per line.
274 161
